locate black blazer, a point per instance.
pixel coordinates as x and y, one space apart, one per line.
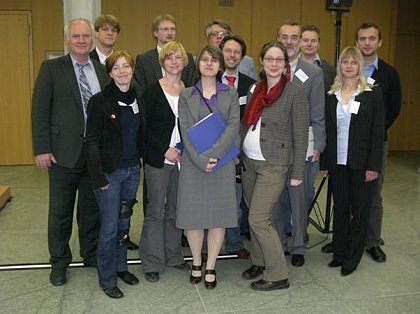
94 55
58 123
159 122
365 148
388 79
103 136
148 70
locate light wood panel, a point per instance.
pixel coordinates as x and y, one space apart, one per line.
16 81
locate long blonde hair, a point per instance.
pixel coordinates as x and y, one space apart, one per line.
339 79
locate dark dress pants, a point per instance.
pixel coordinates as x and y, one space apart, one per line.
65 183
352 199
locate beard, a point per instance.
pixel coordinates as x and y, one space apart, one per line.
292 51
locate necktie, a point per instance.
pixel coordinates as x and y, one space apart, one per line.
85 90
288 72
231 80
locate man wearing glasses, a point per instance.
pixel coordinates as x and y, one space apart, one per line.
215 31
148 69
295 198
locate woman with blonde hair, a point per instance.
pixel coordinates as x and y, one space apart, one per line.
353 156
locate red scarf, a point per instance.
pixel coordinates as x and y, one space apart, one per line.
260 99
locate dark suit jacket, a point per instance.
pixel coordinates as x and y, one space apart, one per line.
329 73
57 115
159 124
388 79
94 55
365 144
148 70
104 143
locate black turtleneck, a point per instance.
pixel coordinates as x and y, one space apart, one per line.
130 124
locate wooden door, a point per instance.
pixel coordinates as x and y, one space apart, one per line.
15 81
405 133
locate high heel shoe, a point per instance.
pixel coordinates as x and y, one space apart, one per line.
194 280
210 284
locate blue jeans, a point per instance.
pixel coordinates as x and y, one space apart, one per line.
113 230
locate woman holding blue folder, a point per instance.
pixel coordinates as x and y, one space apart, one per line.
206 192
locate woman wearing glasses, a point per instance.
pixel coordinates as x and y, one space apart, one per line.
274 131
206 196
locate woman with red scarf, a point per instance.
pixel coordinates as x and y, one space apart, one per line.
275 138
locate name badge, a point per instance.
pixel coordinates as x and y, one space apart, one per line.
370 81
354 108
135 107
301 75
242 100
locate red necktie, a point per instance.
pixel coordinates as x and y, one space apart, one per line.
288 72
231 80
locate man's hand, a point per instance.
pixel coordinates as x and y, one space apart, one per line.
371 175
294 182
316 154
44 161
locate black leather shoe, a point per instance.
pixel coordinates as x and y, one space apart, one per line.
132 246
58 276
253 272
193 279
345 271
128 277
328 248
377 254
210 284
114 292
263 285
334 263
152 276
298 260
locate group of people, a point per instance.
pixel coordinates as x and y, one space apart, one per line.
97 114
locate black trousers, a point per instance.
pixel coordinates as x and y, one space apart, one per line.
352 199
65 183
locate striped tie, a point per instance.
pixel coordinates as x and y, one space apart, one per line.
85 90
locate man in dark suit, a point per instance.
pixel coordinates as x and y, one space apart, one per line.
61 92
295 199
107 29
234 50
148 69
378 72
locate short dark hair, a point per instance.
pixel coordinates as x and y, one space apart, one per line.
310 28
289 23
236 38
215 52
112 59
366 25
103 19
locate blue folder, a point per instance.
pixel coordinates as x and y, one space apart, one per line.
205 133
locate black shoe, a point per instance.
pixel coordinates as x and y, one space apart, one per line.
58 276
345 271
298 260
183 266
263 285
193 279
328 248
114 292
210 284
334 263
377 254
152 276
253 272
132 246
128 277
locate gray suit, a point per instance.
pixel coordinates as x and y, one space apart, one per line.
247 67
283 142
58 127
295 199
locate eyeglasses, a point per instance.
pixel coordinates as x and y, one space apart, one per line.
230 51
292 37
168 29
271 60
207 60
221 33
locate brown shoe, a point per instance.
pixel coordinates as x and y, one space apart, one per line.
263 285
241 253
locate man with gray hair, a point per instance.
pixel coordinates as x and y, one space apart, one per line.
61 93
